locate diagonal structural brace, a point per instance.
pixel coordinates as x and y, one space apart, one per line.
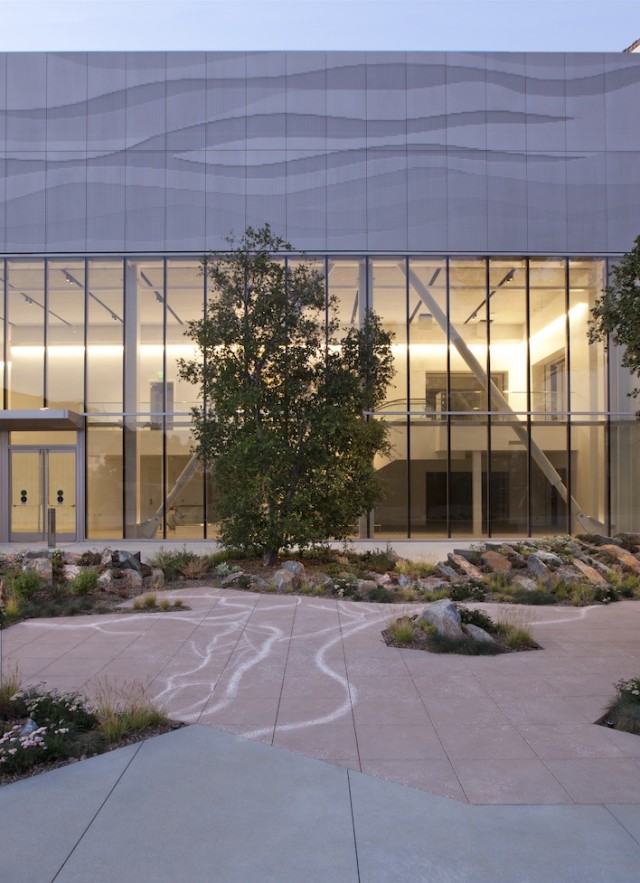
547 468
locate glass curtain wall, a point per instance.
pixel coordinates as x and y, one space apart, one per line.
497 411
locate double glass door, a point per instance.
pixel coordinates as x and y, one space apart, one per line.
42 478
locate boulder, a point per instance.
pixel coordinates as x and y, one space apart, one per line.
283 580
70 572
130 580
320 580
232 579
156 580
477 633
105 580
405 582
549 558
431 584
590 573
625 558
465 566
381 579
524 582
364 586
294 567
106 557
537 567
496 562
448 572
127 560
444 616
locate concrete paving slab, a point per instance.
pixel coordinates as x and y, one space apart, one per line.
200 806
405 834
43 817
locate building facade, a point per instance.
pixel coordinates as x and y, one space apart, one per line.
475 200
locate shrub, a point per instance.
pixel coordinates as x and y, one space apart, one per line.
478 618
380 595
164 604
84 583
124 709
172 563
624 711
402 630
24 584
468 592
416 569
178 603
535 597
149 601
464 645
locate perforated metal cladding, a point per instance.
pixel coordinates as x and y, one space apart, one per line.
339 151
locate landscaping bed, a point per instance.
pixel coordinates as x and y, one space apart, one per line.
44 729
446 627
587 569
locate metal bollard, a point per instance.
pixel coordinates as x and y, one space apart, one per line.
51 528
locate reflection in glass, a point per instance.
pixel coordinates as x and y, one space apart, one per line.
25 334
65 334
104 482
105 325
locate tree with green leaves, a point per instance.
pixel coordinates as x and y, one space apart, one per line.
284 427
615 317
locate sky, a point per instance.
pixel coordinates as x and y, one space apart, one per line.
498 25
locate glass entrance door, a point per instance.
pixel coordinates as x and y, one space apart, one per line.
42 479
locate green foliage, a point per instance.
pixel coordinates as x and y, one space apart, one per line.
124 709
624 712
282 428
536 597
464 645
24 584
615 317
380 595
470 591
173 562
84 582
477 617
402 630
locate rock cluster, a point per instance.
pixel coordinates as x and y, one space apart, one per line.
119 572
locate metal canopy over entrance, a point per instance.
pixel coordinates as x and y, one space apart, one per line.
42 420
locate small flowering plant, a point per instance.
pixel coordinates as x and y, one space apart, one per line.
47 726
629 690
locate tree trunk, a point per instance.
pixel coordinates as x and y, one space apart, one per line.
269 557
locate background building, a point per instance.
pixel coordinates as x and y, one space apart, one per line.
474 200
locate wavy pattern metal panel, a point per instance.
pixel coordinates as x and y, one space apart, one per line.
339 151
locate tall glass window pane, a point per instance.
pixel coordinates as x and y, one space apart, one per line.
25 334
347 292
587 398
624 444
469 315
549 395
428 396
143 378
65 334
104 481
3 271
185 489
508 489
105 324
185 303
388 298
185 515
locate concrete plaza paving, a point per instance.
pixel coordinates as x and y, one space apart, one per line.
313 675
511 778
